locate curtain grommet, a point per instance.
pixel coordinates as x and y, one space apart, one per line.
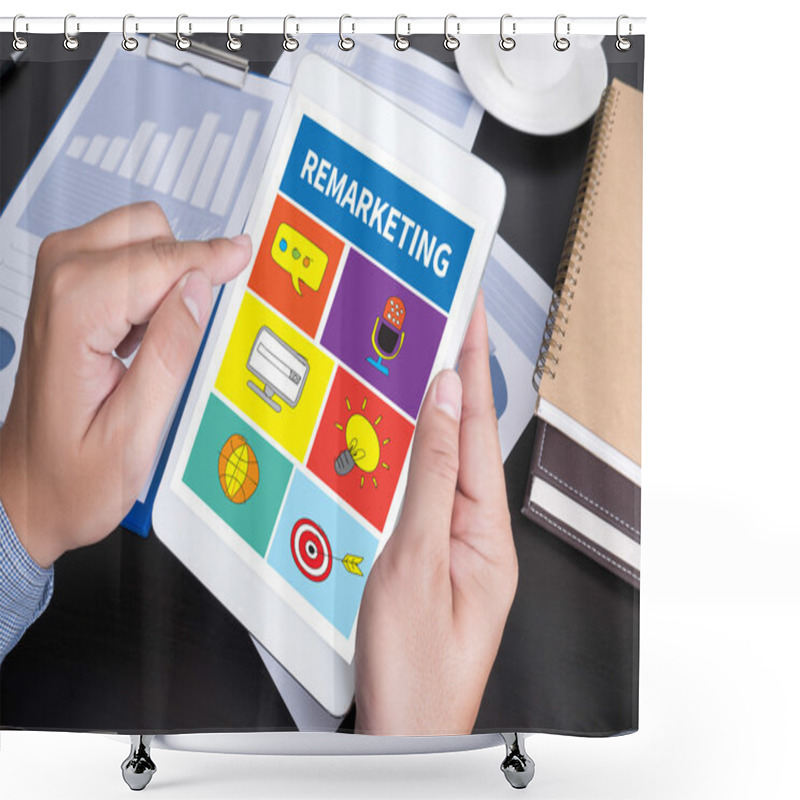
345 42
290 44
233 44
507 42
19 43
622 44
181 42
561 43
451 42
129 43
401 43
70 42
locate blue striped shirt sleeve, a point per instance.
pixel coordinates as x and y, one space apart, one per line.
25 587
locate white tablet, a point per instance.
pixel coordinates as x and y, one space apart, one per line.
370 235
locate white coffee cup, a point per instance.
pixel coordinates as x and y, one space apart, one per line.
536 65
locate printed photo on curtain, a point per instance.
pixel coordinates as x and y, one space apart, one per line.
320 383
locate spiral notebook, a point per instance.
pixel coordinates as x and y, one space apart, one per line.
586 467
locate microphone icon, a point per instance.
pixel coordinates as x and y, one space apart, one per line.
390 335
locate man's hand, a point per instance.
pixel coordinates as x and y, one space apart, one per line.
437 598
82 430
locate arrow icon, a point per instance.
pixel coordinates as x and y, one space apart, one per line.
351 562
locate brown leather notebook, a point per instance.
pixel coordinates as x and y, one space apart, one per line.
589 371
579 498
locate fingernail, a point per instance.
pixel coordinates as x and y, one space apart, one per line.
196 295
242 240
447 394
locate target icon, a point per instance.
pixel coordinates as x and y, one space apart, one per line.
311 550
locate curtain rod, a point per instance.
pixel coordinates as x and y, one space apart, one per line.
406 25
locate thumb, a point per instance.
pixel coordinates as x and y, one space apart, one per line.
141 403
433 470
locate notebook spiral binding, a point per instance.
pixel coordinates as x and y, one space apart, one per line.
575 243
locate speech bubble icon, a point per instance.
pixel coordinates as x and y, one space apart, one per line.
300 257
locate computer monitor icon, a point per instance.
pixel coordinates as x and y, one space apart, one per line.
282 370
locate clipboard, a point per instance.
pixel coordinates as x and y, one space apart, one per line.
209 62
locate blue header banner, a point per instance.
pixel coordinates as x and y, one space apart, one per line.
402 229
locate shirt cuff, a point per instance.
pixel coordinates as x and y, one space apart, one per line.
25 587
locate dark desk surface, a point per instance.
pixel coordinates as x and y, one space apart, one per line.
132 641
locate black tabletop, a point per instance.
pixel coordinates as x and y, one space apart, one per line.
132 641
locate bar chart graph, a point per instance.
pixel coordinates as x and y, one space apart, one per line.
200 166
186 146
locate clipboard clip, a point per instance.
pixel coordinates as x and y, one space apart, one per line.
206 61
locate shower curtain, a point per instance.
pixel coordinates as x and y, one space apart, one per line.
292 452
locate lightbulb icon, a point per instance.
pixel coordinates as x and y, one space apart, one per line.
363 445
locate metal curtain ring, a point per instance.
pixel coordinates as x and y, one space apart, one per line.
622 44
451 42
181 42
233 43
70 42
345 42
507 42
19 43
290 44
401 42
561 43
129 43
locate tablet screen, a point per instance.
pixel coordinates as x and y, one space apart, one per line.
297 451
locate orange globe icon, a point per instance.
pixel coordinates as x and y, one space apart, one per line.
238 469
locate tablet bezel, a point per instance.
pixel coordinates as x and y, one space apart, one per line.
321 90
